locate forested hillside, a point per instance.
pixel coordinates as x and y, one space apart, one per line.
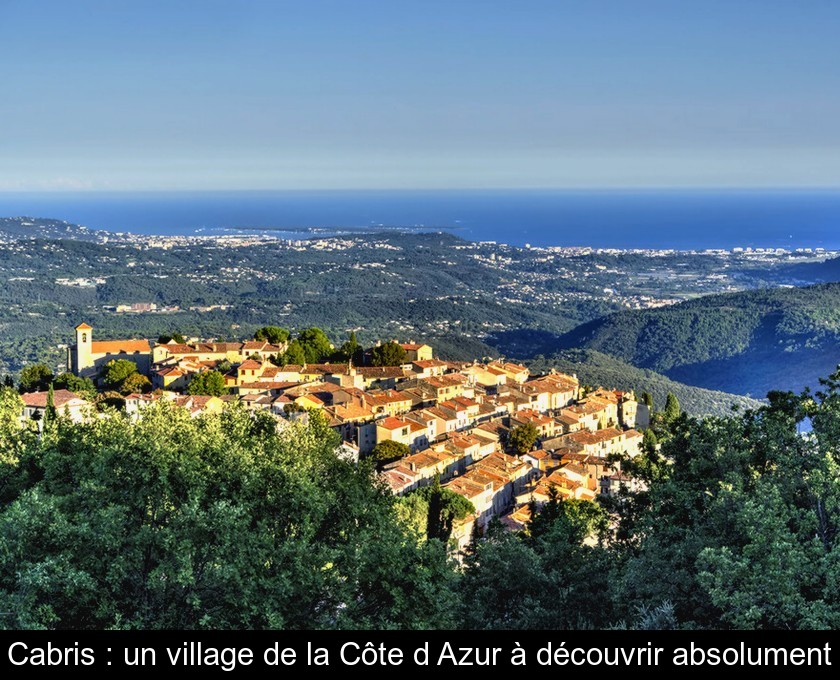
595 368
748 342
826 271
221 521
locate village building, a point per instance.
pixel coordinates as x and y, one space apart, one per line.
417 351
87 358
66 403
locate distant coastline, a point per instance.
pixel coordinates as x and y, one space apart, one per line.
620 219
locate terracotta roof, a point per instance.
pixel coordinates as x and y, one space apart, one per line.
326 369
411 346
351 411
430 363
250 364
39 399
398 478
386 397
575 468
380 371
175 348
226 346
539 454
392 423
441 413
259 385
83 327
119 346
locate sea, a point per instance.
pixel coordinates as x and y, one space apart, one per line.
662 219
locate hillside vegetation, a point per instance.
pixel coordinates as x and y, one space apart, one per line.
222 521
747 343
596 368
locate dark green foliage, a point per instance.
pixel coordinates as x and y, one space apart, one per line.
116 372
217 521
535 580
522 438
35 378
272 334
210 522
416 511
294 354
444 507
388 450
749 342
349 350
135 384
315 344
649 441
50 413
672 408
84 387
388 354
210 383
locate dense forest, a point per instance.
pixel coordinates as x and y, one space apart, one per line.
749 342
222 521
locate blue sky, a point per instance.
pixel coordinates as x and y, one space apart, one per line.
404 94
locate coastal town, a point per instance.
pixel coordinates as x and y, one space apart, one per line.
490 431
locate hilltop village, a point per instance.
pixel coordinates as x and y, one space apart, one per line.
489 431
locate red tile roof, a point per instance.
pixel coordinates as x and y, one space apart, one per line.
39 399
119 346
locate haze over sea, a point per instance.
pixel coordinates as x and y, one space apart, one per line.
680 219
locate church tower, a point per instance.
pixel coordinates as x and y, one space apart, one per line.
84 352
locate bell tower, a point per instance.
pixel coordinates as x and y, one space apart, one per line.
84 352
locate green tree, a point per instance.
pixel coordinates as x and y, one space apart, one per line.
272 334
315 344
210 383
388 451
35 377
221 522
84 387
388 354
649 441
531 580
12 441
523 437
350 349
294 355
672 408
647 400
50 413
444 508
136 383
116 371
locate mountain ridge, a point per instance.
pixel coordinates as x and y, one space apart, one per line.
746 343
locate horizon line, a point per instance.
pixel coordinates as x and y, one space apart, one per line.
559 189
